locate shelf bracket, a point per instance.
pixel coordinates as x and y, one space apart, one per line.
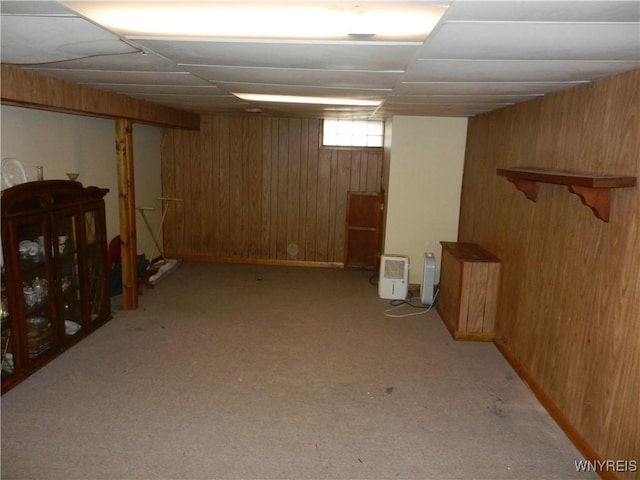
529 188
598 199
594 189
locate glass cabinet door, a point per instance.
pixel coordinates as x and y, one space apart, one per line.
65 243
34 244
6 345
99 302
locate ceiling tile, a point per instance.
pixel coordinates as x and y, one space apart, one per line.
461 110
201 90
546 11
205 100
139 78
32 7
335 56
399 100
136 61
481 88
535 41
297 76
35 39
440 70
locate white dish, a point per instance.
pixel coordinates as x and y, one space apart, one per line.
12 172
71 328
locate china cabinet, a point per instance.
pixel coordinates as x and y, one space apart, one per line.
54 272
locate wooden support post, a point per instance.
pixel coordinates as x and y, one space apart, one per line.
126 204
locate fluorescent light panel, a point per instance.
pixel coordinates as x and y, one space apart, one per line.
259 97
336 20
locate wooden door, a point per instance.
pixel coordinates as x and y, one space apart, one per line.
363 230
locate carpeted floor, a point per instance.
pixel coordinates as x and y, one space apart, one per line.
261 372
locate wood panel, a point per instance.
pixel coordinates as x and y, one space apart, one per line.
261 189
29 89
569 301
468 290
362 229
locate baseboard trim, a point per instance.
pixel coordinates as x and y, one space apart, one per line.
257 261
473 336
563 422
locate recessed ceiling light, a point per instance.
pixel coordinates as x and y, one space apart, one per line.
334 20
259 97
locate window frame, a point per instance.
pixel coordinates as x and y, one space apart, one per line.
348 147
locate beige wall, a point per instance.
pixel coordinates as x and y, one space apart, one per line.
423 176
64 143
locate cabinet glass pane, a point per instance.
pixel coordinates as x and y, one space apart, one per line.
35 249
6 345
68 274
96 263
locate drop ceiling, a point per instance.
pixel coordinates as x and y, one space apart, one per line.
481 56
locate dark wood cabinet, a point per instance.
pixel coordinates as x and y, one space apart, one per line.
363 230
54 272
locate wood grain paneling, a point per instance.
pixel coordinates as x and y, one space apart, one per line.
569 303
260 189
29 89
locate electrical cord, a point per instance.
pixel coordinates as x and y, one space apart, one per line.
396 304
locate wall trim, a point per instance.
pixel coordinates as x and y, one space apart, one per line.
563 422
257 261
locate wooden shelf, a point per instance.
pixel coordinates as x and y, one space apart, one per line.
594 189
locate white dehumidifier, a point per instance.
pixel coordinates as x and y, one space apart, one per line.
393 282
428 279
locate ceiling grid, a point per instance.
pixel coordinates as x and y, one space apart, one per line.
481 56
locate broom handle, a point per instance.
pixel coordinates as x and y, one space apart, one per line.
164 214
155 238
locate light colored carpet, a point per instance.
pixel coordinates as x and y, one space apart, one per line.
260 372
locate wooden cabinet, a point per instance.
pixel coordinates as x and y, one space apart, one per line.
468 290
54 272
363 231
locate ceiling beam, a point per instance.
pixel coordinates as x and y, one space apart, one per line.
24 88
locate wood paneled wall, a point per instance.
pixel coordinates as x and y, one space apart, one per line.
24 88
569 304
260 189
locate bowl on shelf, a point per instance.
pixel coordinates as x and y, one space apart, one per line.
72 176
71 328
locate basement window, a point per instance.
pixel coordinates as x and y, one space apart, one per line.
352 133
